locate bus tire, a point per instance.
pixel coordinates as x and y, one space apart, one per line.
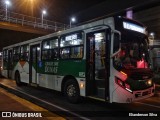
18 79
71 91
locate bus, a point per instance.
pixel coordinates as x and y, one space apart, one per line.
107 60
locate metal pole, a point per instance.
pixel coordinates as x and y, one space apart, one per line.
42 19
6 11
70 23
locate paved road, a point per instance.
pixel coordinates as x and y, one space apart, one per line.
88 108
14 107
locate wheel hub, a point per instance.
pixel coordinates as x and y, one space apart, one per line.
71 90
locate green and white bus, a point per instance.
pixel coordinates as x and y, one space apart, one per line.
105 59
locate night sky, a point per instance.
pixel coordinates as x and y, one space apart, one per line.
83 10
57 10
62 10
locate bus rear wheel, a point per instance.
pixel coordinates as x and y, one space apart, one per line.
18 79
71 91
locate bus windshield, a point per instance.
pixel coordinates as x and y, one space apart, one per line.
133 55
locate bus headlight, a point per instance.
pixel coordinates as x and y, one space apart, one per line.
149 82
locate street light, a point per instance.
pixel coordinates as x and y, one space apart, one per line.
72 20
7 2
43 13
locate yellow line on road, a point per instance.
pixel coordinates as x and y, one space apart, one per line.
32 106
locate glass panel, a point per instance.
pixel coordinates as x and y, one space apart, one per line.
53 53
16 54
100 55
45 55
71 40
46 45
34 55
133 55
5 55
77 52
16 50
65 53
24 52
116 42
53 43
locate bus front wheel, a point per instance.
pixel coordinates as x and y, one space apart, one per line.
18 79
71 91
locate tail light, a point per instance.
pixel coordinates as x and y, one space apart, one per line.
123 84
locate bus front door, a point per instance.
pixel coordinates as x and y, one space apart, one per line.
33 67
98 64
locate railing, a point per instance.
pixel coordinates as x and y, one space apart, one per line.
34 22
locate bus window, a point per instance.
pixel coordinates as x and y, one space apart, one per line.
24 52
99 53
16 54
5 59
65 53
50 49
76 52
71 46
5 55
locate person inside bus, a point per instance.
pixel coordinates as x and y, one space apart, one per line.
127 57
131 57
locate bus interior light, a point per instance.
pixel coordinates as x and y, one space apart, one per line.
38 48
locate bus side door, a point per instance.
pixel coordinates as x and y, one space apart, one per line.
33 67
98 63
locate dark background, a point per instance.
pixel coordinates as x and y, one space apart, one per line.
145 11
83 10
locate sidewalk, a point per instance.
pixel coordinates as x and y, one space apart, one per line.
13 106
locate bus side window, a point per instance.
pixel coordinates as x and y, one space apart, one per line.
16 54
53 53
76 52
24 53
50 49
45 54
65 53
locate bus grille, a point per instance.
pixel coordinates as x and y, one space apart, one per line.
140 94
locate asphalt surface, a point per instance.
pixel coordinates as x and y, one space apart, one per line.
13 107
88 109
